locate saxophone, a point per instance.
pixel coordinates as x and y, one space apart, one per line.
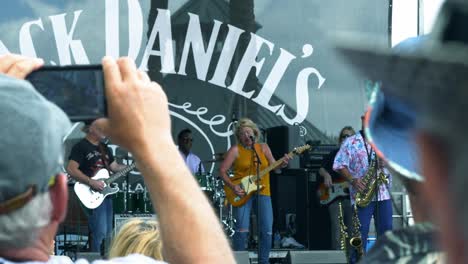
343 232
356 240
371 181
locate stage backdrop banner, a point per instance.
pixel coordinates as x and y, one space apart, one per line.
217 60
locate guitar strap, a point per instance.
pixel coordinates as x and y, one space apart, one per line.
102 150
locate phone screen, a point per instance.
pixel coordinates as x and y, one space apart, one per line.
78 90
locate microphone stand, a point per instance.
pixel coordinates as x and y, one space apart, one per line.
257 163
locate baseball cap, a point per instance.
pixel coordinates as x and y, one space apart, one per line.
31 143
422 81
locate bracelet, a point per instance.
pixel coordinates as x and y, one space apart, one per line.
88 181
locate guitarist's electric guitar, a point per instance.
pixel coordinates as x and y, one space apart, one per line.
249 183
91 198
329 194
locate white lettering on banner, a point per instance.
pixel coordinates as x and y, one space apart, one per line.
65 42
227 54
194 39
135 28
248 61
139 188
25 39
162 26
68 47
273 80
112 28
302 91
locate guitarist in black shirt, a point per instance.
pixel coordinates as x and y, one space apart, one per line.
330 178
86 158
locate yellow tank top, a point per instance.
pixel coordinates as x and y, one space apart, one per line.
244 165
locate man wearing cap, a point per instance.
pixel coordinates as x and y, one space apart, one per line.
416 243
420 126
33 191
353 161
87 157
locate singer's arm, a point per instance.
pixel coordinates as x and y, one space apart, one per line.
266 150
229 159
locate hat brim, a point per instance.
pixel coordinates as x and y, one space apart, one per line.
411 76
389 128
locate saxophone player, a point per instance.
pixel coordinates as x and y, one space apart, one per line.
358 163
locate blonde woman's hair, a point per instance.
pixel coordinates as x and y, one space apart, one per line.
137 236
246 122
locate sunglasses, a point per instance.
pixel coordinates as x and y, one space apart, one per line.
345 136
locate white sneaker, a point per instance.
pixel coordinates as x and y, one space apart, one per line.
291 242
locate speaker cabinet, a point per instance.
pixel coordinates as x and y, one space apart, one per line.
281 140
319 231
290 203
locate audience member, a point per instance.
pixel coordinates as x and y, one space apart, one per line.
34 192
331 177
423 128
137 236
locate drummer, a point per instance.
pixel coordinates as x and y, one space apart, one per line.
184 141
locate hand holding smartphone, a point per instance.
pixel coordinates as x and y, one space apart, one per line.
79 89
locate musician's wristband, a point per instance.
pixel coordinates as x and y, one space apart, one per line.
88 181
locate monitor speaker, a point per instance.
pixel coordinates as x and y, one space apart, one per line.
242 257
319 256
89 256
283 139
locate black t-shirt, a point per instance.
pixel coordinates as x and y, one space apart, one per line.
88 156
327 164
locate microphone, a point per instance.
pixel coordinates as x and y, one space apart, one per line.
234 118
104 140
252 137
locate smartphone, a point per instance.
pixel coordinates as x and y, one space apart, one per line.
77 89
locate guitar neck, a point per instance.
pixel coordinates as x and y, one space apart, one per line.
121 173
273 166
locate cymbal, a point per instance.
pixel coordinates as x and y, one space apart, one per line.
220 154
217 158
212 160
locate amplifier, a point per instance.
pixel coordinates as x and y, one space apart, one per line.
120 219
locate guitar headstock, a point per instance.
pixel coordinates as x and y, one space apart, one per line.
301 149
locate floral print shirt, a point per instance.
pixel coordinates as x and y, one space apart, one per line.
354 156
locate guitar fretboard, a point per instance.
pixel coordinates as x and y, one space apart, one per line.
275 164
121 173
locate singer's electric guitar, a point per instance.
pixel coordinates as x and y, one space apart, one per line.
91 198
329 194
249 183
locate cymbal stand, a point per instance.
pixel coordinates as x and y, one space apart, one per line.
226 220
125 193
146 199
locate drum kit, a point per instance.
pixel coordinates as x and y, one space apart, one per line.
213 188
134 198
